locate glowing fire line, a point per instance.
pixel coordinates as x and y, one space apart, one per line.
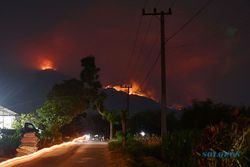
17 160
135 90
47 65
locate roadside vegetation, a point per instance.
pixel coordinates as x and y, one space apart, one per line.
204 126
9 143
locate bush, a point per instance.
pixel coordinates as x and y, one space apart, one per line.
114 145
19 122
225 137
138 146
244 159
119 136
151 162
151 145
178 148
135 148
9 144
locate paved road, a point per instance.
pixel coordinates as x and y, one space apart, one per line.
65 155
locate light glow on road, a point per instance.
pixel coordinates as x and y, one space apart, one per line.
82 138
18 160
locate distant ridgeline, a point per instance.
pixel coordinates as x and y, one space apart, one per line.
26 93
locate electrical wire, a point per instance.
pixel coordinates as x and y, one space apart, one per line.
189 20
173 3
150 71
135 41
135 65
147 56
137 58
148 74
150 52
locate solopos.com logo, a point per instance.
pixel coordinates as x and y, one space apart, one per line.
222 154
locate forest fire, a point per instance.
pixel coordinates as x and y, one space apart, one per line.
135 90
47 65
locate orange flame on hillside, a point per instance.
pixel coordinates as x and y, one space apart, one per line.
135 90
47 65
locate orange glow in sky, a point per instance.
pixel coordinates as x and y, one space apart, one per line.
47 65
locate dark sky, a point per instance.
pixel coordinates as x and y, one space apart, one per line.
210 57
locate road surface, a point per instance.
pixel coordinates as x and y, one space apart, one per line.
66 155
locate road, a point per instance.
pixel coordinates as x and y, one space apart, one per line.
70 154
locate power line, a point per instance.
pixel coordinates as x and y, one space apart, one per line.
157 3
135 41
148 55
154 43
147 77
134 45
149 73
139 54
162 15
137 58
190 20
173 3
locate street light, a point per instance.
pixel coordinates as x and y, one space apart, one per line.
142 133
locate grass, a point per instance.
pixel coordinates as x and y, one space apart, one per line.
146 151
139 152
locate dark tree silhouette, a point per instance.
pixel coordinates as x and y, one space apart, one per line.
204 113
91 83
65 102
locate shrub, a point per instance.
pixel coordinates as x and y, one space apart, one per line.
114 145
134 148
225 137
150 162
178 148
9 144
151 145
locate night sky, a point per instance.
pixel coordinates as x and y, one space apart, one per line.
210 57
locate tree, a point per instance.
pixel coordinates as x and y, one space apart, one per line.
65 102
74 128
70 99
89 74
204 113
92 85
19 122
111 117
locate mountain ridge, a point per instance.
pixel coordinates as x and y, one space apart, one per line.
32 92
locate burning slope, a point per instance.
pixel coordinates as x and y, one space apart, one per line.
46 64
135 90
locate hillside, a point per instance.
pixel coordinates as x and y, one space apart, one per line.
24 94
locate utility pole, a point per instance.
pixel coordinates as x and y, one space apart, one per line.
2 119
124 114
163 73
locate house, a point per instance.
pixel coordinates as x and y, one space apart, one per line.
6 118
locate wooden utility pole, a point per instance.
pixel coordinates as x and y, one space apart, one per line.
124 114
163 73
